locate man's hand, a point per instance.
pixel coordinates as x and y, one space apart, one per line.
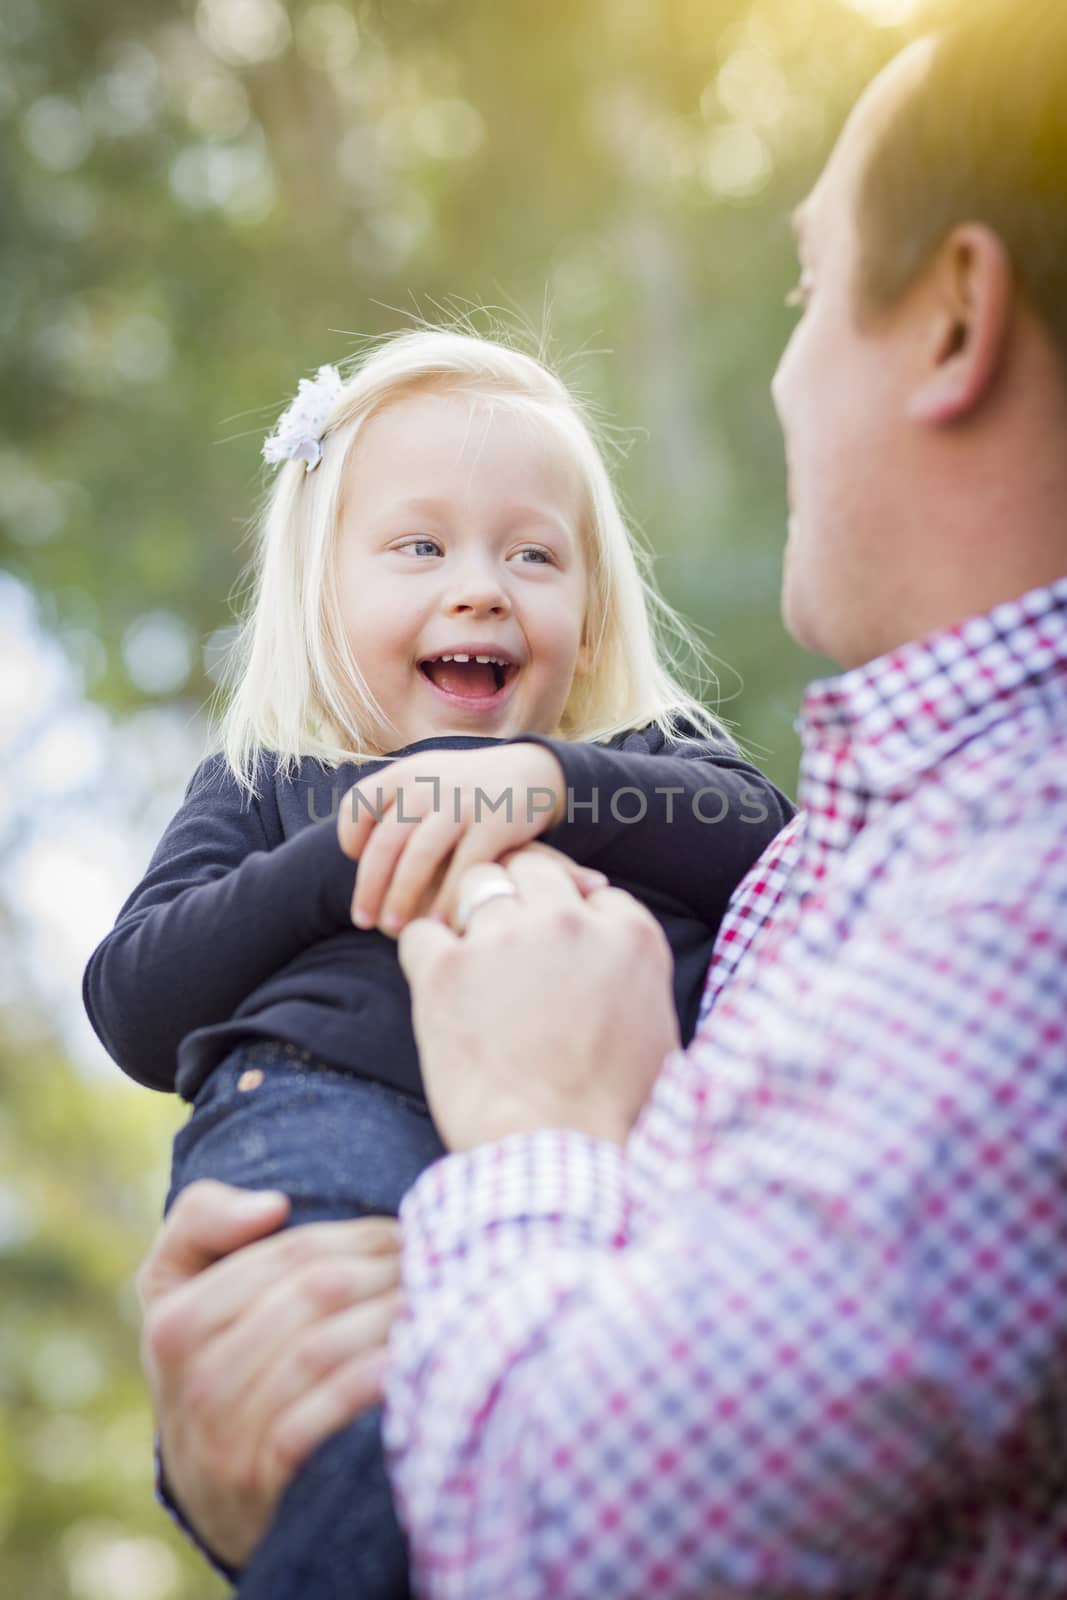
552 1011
441 812
255 1357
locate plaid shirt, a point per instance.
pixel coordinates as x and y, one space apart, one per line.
807 1334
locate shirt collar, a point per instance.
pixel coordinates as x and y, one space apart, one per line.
897 717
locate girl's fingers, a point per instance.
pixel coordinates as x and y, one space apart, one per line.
431 845
377 864
425 907
362 808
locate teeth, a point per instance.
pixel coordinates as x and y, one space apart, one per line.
495 660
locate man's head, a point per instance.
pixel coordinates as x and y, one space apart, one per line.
924 393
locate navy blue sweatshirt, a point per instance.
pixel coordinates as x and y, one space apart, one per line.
241 926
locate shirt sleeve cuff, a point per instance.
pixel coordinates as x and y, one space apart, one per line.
487 1207
671 1135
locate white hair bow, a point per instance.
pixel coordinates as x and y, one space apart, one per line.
298 435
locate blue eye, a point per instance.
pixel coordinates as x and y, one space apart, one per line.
543 559
419 546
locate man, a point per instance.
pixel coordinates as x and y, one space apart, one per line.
786 1314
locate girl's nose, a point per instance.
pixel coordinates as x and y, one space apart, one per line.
477 596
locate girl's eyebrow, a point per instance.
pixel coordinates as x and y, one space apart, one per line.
421 506
541 515
428 506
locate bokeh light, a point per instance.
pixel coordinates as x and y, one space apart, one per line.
158 651
887 13
244 32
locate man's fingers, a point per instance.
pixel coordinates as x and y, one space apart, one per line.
613 902
197 1310
478 848
650 943
421 943
224 1289
208 1221
542 881
353 1339
345 1395
588 879
277 1326
474 850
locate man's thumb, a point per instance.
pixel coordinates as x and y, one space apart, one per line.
207 1221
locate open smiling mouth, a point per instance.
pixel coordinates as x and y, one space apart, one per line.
469 677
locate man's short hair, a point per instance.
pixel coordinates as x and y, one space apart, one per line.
980 137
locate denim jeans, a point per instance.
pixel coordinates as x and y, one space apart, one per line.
271 1116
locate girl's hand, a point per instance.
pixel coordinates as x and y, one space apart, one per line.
257 1349
437 819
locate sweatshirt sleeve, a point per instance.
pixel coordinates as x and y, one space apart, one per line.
685 818
217 911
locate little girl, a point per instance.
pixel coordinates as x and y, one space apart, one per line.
446 600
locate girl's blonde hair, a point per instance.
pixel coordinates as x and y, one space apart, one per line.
291 680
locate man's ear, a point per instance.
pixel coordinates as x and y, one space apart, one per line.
970 313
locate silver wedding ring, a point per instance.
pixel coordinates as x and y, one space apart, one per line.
481 891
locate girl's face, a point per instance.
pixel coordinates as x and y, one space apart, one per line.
459 537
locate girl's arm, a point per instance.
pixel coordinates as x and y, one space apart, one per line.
686 819
219 909
683 821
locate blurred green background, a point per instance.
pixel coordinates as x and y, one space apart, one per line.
199 203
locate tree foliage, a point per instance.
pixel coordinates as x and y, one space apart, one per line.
200 202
